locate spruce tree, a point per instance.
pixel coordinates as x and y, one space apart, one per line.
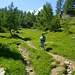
59 7
44 17
69 7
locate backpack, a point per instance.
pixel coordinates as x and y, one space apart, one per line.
42 39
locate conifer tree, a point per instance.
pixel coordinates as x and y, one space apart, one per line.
69 7
59 7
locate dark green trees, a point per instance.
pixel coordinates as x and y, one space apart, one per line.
44 17
12 18
59 7
66 7
29 19
69 7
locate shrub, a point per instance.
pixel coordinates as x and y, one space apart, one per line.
55 24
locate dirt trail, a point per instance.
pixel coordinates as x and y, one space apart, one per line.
70 64
25 54
63 60
30 44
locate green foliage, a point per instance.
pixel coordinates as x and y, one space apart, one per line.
69 7
2 30
65 25
29 19
59 7
44 17
55 24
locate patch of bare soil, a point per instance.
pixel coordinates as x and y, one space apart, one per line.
56 70
25 54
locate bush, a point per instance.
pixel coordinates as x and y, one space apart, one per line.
55 24
2 30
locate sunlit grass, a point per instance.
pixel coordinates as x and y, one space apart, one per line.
58 42
10 58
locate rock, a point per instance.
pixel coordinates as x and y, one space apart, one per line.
2 72
70 72
67 62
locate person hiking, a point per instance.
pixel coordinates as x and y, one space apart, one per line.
42 40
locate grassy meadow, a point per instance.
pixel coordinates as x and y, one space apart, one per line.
56 42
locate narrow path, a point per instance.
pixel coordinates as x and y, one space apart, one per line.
70 64
63 60
30 44
25 54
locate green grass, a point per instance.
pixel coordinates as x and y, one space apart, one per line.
58 42
11 60
62 44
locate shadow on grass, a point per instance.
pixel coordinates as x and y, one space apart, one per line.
6 52
17 36
3 36
48 49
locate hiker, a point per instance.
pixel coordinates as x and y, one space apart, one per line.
42 40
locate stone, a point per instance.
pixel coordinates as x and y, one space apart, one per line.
66 62
2 72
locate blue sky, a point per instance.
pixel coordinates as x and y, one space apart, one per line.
27 5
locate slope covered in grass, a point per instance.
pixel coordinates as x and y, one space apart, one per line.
58 42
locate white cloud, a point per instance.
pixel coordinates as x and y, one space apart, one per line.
31 11
38 10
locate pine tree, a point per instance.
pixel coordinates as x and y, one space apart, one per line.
59 7
44 17
69 7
